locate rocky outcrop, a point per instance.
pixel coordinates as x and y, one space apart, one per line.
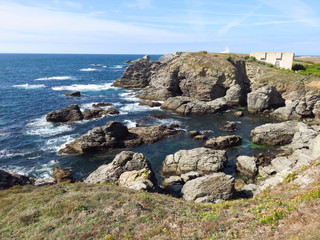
10 179
211 188
127 169
200 160
138 74
199 78
98 112
264 98
223 142
67 114
115 135
73 94
274 133
187 106
247 167
101 104
150 104
62 175
299 105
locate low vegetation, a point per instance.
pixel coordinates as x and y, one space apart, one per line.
102 211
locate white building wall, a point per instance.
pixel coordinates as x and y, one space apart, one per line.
280 59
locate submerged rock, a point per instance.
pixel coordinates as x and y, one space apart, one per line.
211 188
73 94
230 127
101 104
127 169
9 179
115 135
67 114
223 142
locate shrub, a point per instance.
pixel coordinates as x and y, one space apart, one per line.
297 67
203 52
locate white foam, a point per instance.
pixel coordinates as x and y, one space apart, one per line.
134 107
84 87
118 66
88 69
130 123
55 144
168 121
129 96
55 78
6 153
29 86
95 64
41 127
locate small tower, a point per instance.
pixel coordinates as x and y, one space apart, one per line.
226 50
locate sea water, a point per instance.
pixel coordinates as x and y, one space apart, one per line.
31 85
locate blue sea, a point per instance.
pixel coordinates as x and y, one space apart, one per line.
31 85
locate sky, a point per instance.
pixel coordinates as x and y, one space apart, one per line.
159 26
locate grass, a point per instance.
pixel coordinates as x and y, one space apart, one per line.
102 211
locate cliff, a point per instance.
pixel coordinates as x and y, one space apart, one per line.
197 83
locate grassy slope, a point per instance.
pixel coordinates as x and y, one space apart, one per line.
85 211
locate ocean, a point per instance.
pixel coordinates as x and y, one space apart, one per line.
31 85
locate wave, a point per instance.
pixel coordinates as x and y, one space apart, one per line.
29 86
41 127
168 121
55 78
118 66
134 107
84 87
40 170
55 144
89 69
129 96
130 123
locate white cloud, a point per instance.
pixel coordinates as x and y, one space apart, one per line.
236 22
19 23
142 4
296 9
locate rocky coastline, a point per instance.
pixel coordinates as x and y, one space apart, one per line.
194 83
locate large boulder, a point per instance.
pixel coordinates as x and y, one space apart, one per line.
127 169
62 175
264 98
274 133
115 135
67 114
247 166
211 188
200 160
9 179
187 106
98 112
138 74
223 142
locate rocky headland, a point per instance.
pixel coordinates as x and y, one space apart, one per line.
282 185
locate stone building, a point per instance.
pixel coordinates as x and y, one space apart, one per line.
279 59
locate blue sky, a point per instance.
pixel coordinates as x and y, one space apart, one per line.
159 26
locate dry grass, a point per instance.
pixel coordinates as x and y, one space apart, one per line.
87 211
